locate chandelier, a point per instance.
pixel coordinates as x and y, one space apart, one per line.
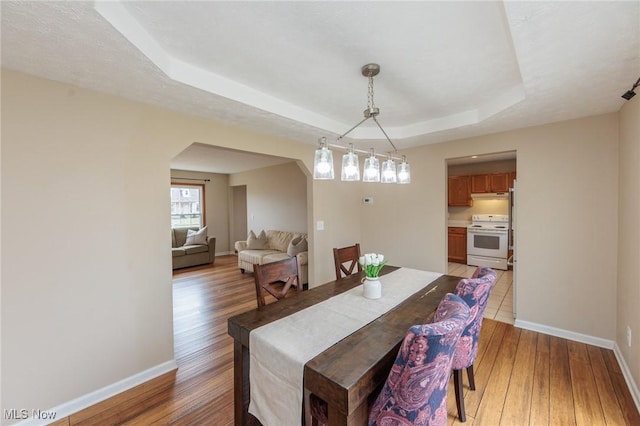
323 159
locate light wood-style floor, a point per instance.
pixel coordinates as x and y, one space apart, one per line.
522 377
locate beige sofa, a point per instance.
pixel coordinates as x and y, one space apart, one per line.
184 256
277 245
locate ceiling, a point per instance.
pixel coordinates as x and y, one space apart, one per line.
449 70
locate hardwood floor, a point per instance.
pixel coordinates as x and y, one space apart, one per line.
522 377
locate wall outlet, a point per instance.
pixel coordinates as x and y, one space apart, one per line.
629 336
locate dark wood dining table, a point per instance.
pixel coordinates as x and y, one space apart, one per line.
349 373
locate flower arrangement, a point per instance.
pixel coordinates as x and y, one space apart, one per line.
372 264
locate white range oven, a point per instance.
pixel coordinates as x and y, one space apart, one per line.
488 241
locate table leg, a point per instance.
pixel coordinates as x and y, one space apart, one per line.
358 417
240 383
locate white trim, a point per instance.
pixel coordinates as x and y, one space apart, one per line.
223 253
565 334
75 405
631 384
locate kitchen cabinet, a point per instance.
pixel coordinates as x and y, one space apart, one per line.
457 239
499 182
494 182
480 184
459 190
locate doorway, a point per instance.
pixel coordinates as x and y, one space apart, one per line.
476 185
239 229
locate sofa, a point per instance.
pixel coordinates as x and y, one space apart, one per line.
199 250
276 245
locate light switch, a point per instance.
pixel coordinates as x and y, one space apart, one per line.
320 225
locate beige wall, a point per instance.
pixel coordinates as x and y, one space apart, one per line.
482 167
276 197
97 308
216 192
568 184
628 295
86 277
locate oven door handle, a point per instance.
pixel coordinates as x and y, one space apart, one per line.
486 232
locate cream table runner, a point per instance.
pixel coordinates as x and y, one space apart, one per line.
286 345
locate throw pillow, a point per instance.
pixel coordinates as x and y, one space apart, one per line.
297 245
257 243
196 237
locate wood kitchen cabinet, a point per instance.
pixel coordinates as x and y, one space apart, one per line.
499 182
459 190
494 182
457 238
480 184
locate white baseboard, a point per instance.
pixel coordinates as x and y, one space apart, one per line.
591 340
85 401
224 253
631 384
565 334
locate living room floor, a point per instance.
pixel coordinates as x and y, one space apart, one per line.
500 304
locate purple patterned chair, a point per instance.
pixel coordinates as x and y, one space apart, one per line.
415 392
475 292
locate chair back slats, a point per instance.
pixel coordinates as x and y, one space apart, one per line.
346 260
276 279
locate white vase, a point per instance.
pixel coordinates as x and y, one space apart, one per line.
372 288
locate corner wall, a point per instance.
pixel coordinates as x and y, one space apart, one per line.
276 197
628 289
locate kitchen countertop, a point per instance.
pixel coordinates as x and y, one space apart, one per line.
459 223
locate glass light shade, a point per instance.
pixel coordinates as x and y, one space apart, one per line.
404 172
323 163
388 171
350 167
371 171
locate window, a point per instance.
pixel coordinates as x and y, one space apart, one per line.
187 205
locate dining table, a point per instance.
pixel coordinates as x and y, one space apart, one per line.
349 373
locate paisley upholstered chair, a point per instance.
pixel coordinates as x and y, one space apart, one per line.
415 392
475 292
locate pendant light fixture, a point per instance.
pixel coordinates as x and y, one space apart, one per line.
350 165
371 168
404 172
389 173
323 160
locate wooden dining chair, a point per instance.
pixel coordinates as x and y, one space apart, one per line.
276 279
475 292
346 260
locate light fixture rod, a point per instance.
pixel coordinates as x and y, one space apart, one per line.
360 151
351 129
385 134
